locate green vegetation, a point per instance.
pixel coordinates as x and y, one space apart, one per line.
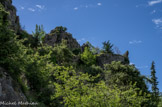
59 30
107 47
38 35
57 76
87 57
79 90
160 101
12 52
155 90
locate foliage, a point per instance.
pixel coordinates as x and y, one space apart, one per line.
38 70
76 51
94 50
107 47
77 90
160 102
122 75
94 71
12 52
38 35
87 57
61 54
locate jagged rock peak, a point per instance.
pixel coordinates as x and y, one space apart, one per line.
57 35
126 54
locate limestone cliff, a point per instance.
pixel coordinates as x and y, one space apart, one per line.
14 19
108 58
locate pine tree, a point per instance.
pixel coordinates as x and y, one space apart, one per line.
154 82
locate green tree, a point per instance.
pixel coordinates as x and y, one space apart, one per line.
12 52
61 54
122 75
38 69
154 82
38 35
87 57
94 50
107 47
78 90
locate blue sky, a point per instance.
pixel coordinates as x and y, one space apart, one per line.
134 25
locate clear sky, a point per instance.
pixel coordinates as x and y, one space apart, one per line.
134 25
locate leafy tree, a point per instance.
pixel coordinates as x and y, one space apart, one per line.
107 47
38 69
154 82
78 90
94 71
87 57
121 75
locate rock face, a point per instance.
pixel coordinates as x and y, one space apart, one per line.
56 37
9 90
14 19
108 58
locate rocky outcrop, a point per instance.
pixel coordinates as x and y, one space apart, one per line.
56 36
108 58
14 19
9 90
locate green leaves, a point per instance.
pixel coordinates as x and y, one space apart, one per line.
77 89
12 52
87 57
